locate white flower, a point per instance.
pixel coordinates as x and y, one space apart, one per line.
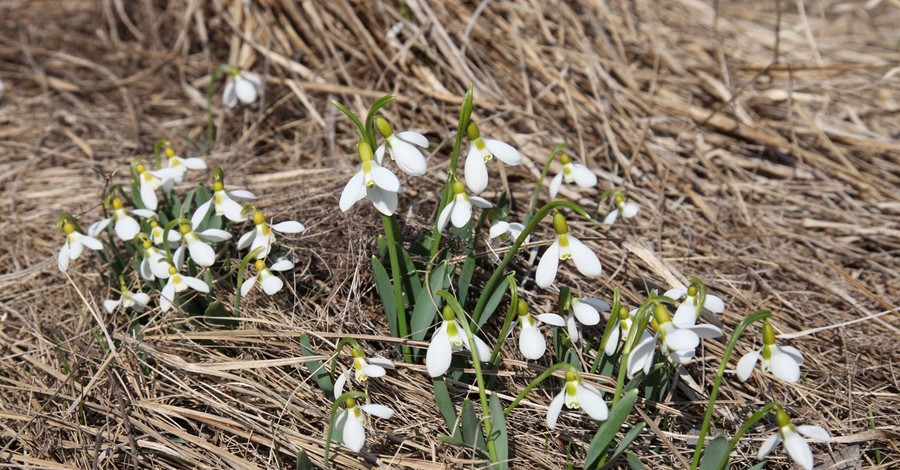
572 173
688 310
154 263
459 210
243 86
480 151
679 342
375 367
374 181
268 282
148 184
263 236
126 227
133 300
177 166
200 251
74 245
223 204
403 148
575 394
178 283
447 338
586 312
783 362
532 343
794 443
156 232
505 230
565 247
623 207
620 328
350 419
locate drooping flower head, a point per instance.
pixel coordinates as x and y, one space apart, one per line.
532 343
572 173
374 367
157 233
178 283
565 247
679 342
154 262
688 310
781 361
74 244
620 328
125 227
178 166
377 183
459 210
201 252
136 301
576 394
242 86
480 151
268 282
263 235
794 442
221 202
403 147
350 420
450 337
583 311
148 183
624 208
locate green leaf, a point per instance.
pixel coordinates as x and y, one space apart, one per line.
498 431
413 283
634 463
465 279
471 429
759 466
491 305
303 461
610 428
716 454
630 436
316 368
428 303
386 292
445 404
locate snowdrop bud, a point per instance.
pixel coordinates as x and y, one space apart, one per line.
472 131
458 188
259 218
116 204
559 224
782 418
384 127
693 289
522 308
218 186
364 150
169 151
661 314
768 333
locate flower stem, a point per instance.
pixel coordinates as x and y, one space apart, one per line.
534 383
510 315
639 324
540 183
704 429
210 128
397 283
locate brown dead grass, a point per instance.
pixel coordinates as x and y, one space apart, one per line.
765 163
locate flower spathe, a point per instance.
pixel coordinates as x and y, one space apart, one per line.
572 173
565 247
624 208
178 283
377 183
459 210
268 282
447 338
585 312
688 310
74 245
679 342
576 394
222 203
374 367
403 148
480 151
350 420
262 236
794 438
781 361
242 86
532 343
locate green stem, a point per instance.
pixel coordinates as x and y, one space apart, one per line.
210 128
607 332
397 284
704 429
638 325
532 224
334 407
746 427
534 383
510 315
540 184
240 277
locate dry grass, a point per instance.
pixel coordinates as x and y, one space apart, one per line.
766 164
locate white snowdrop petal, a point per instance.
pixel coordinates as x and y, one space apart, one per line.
282 265
445 216
194 163
630 210
178 258
232 210
682 340
793 352
475 171
438 356
461 214
414 138
253 78
271 284
371 370
379 154
592 403
384 201
706 331
196 284
480 202
202 254
675 293
289 226
229 98
585 259
641 355
142 213
148 196
498 228
714 304
75 248
408 157
484 352
584 177
354 434
532 343
768 445
380 411
167 296
339 383
110 305
353 191
551 319
612 342
141 298
382 362
685 314
216 235
247 285
555 183
572 328
585 313
784 367
547 266
246 239
245 90
554 409
746 364
598 304
815 433
611 217
798 449
385 179
91 243
505 152
97 227
200 214
242 193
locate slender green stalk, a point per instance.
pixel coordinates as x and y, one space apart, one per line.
540 183
704 429
510 315
532 224
534 383
240 277
607 332
397 284
641 318
210 128
334 407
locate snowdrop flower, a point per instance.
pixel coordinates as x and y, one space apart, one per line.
586 312
507 231
178 283
372 180
222 202
156 232
262 236
480 151
626 209
133 300
374 367
532 343
242 86
126 227
268 282
575 394
177 166
74 245
794 442
783 362
403 148
350 419
679 342
620 328
154 264
459 210
688 310
200 251
565 247
447 338
148 184
572 173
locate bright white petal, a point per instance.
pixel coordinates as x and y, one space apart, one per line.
714 304
630 210
547 266
584 177
572 328
252 78
167 296
91 243
194 163
383 200
228 95
271 284
641 355
555 183
793 352
382 362
196 284
110 305
498 228
142 213
202 254
585 259
231 210
532 343
414 138
354 434
462 213
612 343
505 152
585 313
676 293
371 370
339 385
289 226
63 260
246 239
480 202
768 445
814 433
484 352
216 235
141 299
144 270
353 191
379 154
97 227
282 265
475 171
437 358
242 194
706 331
611 217
408 157
380 411
554 409
551 319
682 340
798 449
746 364
200 213
592 403
148 196
784 366
247 285
385 179
445 216
686 313
245 90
